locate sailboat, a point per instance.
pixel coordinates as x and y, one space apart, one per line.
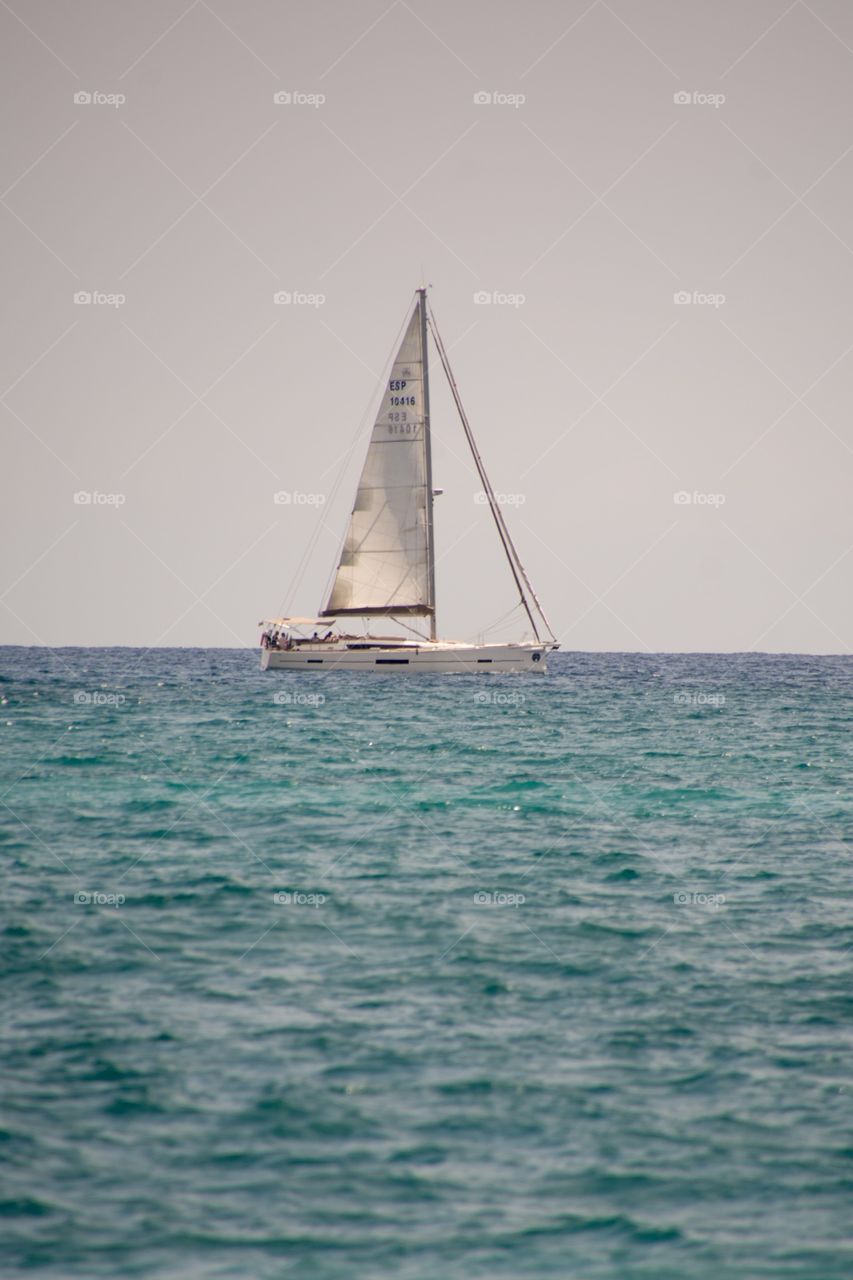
387 563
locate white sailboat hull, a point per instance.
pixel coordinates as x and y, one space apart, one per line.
431 658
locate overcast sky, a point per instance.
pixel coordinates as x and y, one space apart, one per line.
625 154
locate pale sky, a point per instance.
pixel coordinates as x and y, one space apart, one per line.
628 154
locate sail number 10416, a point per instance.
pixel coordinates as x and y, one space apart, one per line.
399 385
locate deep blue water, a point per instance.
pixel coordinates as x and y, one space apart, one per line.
428 977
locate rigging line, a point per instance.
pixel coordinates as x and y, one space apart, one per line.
315 535
497 622
313 540
306 556
516 567
503 532
400 623
496 512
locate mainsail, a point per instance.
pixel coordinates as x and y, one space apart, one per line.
387 562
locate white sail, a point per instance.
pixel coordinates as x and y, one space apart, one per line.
385 565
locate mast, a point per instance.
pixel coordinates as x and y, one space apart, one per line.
513 559
433 629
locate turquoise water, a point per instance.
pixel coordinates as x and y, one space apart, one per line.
429 978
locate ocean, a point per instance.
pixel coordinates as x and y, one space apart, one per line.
429 977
